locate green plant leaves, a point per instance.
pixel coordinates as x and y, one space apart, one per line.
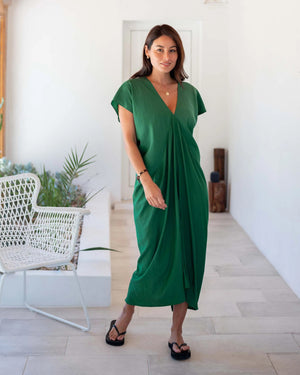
75 166
59 190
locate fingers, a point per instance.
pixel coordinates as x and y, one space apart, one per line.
154 196
157 202
162 204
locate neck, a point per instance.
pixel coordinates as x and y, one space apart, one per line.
161 78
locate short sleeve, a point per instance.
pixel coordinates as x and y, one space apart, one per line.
123 97
201 106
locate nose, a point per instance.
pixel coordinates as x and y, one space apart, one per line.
166 55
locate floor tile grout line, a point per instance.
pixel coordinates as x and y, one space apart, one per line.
294 338
148 365
283 353
25 365
272 364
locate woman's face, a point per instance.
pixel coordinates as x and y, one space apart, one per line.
163 54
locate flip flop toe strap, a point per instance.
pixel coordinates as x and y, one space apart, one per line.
184 350
119 334
175 343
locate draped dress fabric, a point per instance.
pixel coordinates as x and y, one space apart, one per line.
172 242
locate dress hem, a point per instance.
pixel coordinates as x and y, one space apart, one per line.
190 307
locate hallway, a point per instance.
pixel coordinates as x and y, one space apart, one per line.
248 320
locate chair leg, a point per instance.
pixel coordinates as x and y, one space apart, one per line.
1 283
83 328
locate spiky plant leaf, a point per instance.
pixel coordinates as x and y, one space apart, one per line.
75 166
89 196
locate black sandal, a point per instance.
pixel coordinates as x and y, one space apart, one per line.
184 354
115 342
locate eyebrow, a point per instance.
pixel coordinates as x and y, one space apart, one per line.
158 45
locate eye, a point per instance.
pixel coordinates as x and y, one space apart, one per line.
159 50
173 50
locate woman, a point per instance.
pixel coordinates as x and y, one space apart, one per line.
158 112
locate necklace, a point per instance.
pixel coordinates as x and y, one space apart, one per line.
166 92
159 84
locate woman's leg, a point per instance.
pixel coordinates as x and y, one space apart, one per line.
179 313
122 322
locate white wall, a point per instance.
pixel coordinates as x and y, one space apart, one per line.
64 66
59 82
264 116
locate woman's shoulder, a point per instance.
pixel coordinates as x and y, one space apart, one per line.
131 83
188 86
136 81
126 83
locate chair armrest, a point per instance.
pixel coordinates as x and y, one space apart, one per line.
56 229
71 210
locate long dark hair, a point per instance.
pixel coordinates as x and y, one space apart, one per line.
157 31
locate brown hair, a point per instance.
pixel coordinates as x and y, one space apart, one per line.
157 31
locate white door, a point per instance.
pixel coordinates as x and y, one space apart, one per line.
134 36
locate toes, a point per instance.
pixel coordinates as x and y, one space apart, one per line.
185 347
113 334
176 349
180 347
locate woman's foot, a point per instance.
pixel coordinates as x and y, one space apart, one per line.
122 323
177 337
117 341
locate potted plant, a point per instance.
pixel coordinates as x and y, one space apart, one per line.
58 189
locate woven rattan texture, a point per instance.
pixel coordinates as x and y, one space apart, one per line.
32 236
15 210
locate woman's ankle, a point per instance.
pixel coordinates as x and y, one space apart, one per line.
175 331
128 309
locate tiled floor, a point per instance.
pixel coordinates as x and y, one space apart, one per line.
248 322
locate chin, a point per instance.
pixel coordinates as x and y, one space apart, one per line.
166 69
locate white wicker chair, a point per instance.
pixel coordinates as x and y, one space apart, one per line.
33 237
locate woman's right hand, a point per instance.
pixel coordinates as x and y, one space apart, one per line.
152 192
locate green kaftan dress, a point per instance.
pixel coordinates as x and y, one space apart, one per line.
172 242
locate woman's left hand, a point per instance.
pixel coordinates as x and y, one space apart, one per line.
152 192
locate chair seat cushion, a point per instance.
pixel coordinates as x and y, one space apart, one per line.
24 258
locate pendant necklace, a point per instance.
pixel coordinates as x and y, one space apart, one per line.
167 92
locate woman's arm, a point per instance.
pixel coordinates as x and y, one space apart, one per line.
152 191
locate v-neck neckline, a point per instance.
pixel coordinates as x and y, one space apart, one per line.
173 113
